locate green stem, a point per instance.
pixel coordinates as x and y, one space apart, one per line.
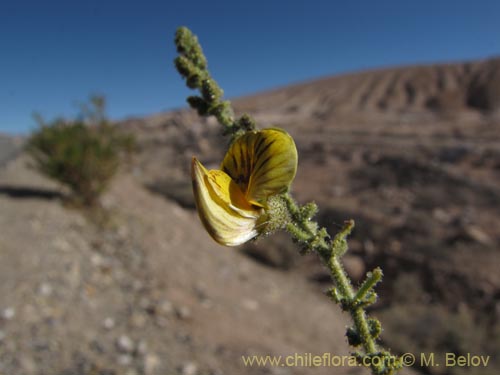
192 65
340 277
372 278
359 317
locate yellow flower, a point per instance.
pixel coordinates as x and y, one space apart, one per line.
230 201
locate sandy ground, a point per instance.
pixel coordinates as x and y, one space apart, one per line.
412 154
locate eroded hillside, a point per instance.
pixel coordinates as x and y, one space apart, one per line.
412 154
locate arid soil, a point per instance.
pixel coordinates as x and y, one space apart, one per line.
412 154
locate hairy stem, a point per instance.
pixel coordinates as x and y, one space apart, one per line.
192 65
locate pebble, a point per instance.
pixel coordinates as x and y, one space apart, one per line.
250 304
2 336
442 215
108 323
478 235
125 344
45 289
151 364
165 307
97 260
189 368
8 313
183 313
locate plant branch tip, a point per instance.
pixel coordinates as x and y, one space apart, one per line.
278 210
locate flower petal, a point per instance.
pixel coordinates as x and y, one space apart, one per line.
262 163
222 207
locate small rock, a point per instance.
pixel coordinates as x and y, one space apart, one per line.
165 307
2 336
442 215
97 260
45 289
183 313
250 304
478 235
8 313
125 344
189 368
109 323
151 364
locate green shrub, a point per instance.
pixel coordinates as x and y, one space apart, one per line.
82 154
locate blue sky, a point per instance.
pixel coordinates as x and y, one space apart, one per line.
53 54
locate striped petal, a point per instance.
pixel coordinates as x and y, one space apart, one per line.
222 206
262 163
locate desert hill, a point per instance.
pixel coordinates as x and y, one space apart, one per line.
411 153
470 86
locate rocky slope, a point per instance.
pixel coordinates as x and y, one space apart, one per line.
412 154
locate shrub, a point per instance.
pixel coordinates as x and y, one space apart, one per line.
82 154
